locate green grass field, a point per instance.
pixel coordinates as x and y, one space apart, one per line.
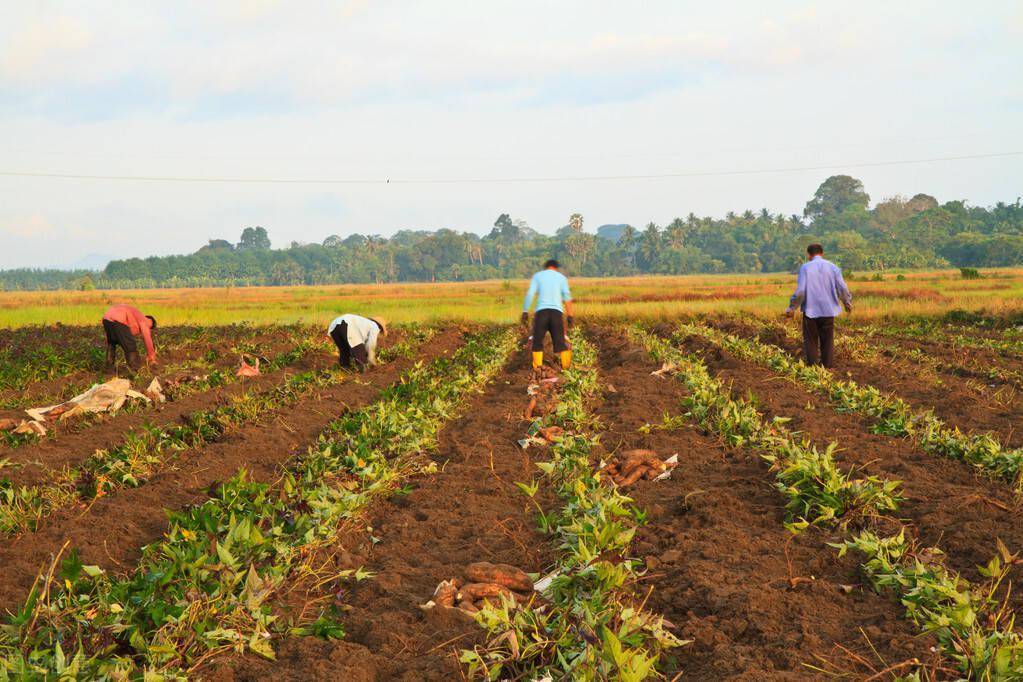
916 293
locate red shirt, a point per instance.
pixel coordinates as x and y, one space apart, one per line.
137 323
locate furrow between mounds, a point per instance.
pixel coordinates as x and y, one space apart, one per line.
975 368
954 402
35 463
175 346
719 556
947 503
111 532
470 510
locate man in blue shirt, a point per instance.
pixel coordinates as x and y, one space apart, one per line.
553 301
819 289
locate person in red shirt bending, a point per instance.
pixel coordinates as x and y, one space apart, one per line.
122 323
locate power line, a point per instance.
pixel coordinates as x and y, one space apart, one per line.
453 181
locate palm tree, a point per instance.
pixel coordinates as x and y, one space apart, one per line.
650 245
627 240
675 233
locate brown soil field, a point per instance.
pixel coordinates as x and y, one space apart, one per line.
175 346
947 503
713 550
469 511
70 442
953 401
112 530
755 601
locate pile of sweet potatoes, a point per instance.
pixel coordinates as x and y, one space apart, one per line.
484 583
633 465
543 387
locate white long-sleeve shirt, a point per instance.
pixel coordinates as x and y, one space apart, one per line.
360 330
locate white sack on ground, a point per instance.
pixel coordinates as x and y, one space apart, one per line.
108 397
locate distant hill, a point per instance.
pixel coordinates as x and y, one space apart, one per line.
92 261
611 232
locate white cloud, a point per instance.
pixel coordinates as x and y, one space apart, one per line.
35 50
33 226
444 89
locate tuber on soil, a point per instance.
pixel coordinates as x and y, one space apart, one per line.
488 584
633 465
631 478
501 574
552 433
530 408
445 593
474 591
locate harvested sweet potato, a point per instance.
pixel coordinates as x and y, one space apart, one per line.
8 424
486 602
641 458
530 408
631 465
636 474
500 574
468 606
552 433
474 591
639 455
445 594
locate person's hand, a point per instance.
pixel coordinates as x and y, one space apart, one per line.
789 312
848 307
571 321
152 362
525 319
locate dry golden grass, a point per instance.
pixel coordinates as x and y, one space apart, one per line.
918 293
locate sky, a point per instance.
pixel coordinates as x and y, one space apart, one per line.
473 109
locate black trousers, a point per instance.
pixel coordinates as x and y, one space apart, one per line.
119 334
345 351
819 340
553 321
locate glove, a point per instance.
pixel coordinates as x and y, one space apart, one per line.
525 319
571 321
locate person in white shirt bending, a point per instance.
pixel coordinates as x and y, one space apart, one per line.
356 337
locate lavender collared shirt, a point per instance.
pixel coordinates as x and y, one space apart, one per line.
820 288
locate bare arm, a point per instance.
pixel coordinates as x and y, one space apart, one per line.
147 336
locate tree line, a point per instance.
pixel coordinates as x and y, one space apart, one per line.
898 232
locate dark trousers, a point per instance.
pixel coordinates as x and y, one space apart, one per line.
553 321
345 351
119 334
819 340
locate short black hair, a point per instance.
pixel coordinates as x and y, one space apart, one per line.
815 249
552 263
153 320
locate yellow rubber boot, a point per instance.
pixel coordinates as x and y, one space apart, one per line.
537 359
566 359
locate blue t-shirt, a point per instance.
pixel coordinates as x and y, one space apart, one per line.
550 288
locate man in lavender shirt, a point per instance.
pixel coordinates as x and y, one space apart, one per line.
819 289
